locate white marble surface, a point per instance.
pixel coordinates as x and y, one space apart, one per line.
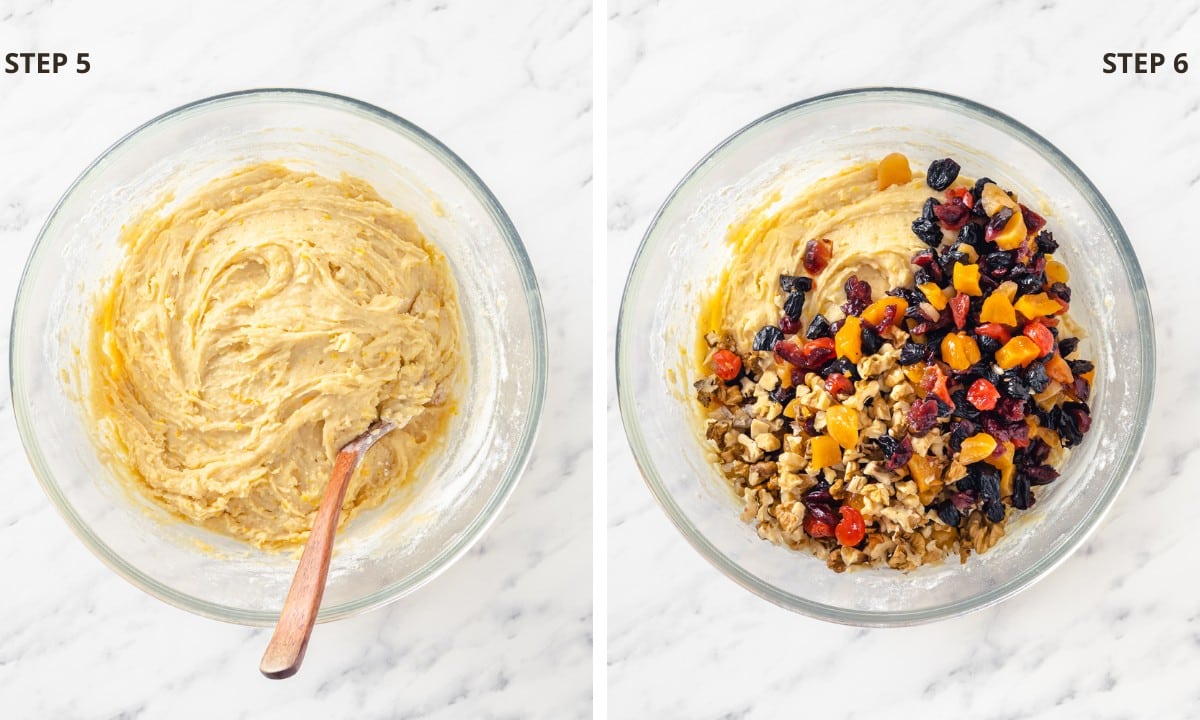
506 632
1115 631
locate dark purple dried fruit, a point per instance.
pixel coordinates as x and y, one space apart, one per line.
767 337
1022 493
997 264
842 366
988 479
1040 474
1061 291
794 283
922 416
789 326
1079 367
793 305
962 407
858 296
1012 385
997 224
988 345
929 231
818 328
912 353
896 452
871 340
927 210
822 513
972 234
782 395
941 173
1068 346
948 513
1081 389
953 215
1046 242
994 510
962 500
1036 378
1010 409
977 188
961 430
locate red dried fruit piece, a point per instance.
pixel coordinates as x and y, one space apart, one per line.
726 364
811 356
983 395
922 416
934 381
788 325
952 215
959 306
816 528
851 530
838 384
1041 336
961 194
817 254
1033 221
995 331
858 295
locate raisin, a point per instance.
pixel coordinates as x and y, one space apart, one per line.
842 366
871 340
948 513
793 305
767 337
929 209
818 328
1068 346
972 235
989 480
1036 378
1046 242
1081 389
1061 291
988 345
994 510
941 173
913 353
929 231
1040 474
961 430
795 283
1022 493
782 395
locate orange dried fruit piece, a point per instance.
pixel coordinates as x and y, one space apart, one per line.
960 351
894 170
1018 351
997 308
993 198
1013 234
966 279
924 473
848 341
1056 272
979 446
825 452
1058 369
1008 289
935 295
842 424
1037 305
876 312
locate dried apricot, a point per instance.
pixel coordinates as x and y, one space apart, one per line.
894 170
966 279
960 351
825 452
979 446
848 341
876 312
997 308
1018 351
842 424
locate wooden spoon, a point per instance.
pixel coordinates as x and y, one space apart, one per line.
286 649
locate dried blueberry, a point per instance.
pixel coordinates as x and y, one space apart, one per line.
913 353
941 173
962 407
950 257
1061 291
818 328
795 283
793 305
948 513
930 232
972 234
1079 367
988 345
871 340
1046 242
766 338
997 264
977 188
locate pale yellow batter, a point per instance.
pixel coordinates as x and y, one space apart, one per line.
253 329
871 231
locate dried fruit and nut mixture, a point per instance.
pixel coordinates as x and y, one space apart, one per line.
913 425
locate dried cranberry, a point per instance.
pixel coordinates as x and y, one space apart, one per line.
953 216
941 173
793 305
794 283
818 328
929 232
838 384
858 296
816 255
811 356
767 337
962 500
997 224
817 528
788 325
1033 221
1081 389
922 416
1040 474
1011 409
817 495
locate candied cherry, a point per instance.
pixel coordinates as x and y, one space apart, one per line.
851 530
726 364
1041 336
817 528
817 254
838 384
983 394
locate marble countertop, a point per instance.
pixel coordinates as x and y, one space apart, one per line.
506 632
1112 633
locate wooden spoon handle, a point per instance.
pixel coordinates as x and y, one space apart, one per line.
286 649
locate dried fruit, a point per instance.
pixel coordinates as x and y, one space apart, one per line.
851 530
795 283
793 305
966 279
977 447
1018 351
948 513
941 173
818 328
1036 306
1041 336
1006 229
897 453
922 416
811 356
1058 370
815 527
825 452
960 351
1032 220
817 254
838 384
858 295
912 353
983 395
842 424
876 312
924 473
726 364
1045 242
789 326
929 231
959 306
934 380
953 215
972 235
767 337
934 295
997 308
848 341
893 170
870 340
1056 272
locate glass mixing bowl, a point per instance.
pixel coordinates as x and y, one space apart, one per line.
385 553
783 152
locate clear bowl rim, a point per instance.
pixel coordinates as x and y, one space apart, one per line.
1078 534
463 540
